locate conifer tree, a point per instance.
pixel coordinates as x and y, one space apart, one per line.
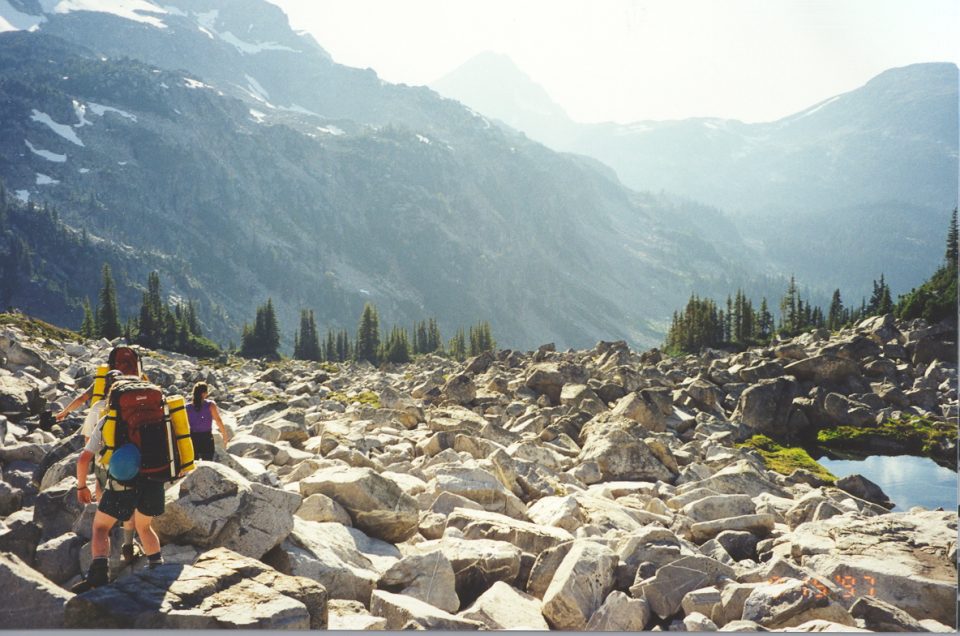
458 346
434 340
765 328
397 347
88 326
952 239
306 343
368 335
263 338
108 315
330 348
835 315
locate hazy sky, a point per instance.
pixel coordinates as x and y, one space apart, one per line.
626 60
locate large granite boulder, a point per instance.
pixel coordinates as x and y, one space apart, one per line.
57 508
377 505
900 558
618 448
620 613
30 600
823 369
666 590
406 612
215 506
223 589
580 585
59 558
480 486
528 537
765 407
477 564
504 607
344 560
641 408
428 577
790 603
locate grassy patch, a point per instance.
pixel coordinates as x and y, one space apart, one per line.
38 328
330 367
365 397
785 460
263 397
908 434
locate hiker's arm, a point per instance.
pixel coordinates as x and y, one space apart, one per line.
83 467
77 401
215 412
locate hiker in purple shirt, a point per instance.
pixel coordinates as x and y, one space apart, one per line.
203 413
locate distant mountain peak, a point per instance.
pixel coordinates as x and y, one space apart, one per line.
494 85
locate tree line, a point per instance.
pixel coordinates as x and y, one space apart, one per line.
159 325
704 324
397 345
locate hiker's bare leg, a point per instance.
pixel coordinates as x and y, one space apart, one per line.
100 542
148 537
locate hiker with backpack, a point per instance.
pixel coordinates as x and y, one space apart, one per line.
142 447
122 359
203 413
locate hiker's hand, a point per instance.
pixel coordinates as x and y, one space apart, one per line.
83 495
62 414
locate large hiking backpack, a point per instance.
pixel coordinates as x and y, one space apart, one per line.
138 415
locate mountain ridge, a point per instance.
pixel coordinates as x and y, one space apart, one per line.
891 143
502 216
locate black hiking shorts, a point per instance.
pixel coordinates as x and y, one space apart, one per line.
146 496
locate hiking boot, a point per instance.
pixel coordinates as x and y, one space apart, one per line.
95 577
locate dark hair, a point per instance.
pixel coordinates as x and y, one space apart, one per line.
198 390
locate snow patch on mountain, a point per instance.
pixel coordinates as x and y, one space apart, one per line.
252 48
13 20
297 108
46 154
330 130
100 109
192 83
259 91
80 111
257 116
127 9
207 32
63 130
22 195
43 179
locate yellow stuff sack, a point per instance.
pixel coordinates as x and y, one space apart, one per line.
100 384
181 432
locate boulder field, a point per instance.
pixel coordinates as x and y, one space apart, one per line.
603 489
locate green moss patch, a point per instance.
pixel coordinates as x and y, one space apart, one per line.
38 328
908 434
365 397
785 460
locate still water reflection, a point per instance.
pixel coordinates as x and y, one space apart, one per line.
908 481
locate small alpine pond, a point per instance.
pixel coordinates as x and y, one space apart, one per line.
907 480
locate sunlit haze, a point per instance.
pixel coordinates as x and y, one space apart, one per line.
627 60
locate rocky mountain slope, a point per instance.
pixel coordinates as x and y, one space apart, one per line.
831 180
599 489
214 135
